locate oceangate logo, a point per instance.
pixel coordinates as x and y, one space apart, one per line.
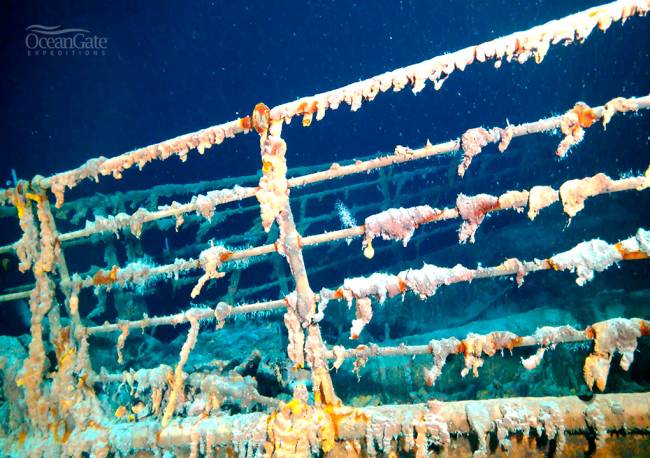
42 40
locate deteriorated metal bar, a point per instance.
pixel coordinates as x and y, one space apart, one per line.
405 154
135 274
333 236
291 249
636 407
229 195
626 412
201 314
398 157
114 166
135 197
15 296
560 334
8 248
519 46
584 259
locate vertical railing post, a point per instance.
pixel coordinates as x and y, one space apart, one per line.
273 195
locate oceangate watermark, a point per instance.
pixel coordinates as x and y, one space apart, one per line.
54 41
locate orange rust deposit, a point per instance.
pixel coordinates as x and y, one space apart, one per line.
61 342
586 116
34 197
302 108
337 414
225 255
245 123
645 329
261 117
102 277
402 285
267 167
307 110
630 255
553 264
515 342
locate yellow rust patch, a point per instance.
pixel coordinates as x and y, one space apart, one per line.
60 438
630 255
553 264
296 406
35 197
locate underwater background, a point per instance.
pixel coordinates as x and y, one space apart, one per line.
172 68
